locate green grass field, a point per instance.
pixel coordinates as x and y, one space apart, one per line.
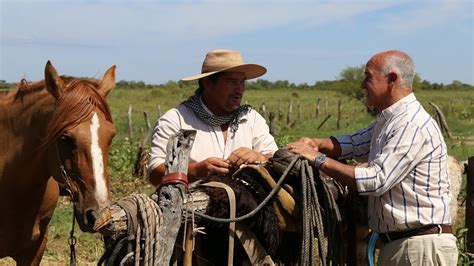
457 106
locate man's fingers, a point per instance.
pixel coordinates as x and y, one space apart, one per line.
244 156
241 160
298 146
239 156
240 152
220 163
293 146
219 170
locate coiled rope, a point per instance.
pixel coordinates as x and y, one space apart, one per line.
149 222
312 218
332 253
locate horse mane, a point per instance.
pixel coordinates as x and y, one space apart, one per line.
74 106
26 87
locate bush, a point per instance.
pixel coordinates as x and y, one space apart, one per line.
122 158
282 140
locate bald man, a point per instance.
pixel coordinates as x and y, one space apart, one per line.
406 179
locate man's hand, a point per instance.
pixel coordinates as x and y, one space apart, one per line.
304 149
196 171
212 166
328 146
245 156
308 141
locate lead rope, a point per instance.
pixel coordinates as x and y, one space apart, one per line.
72 242
72 239
261 205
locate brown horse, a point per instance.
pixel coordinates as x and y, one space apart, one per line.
55 131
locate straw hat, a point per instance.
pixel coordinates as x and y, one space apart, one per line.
227 60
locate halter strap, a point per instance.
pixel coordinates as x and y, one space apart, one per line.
64 175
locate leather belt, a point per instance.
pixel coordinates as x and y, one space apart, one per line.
423 230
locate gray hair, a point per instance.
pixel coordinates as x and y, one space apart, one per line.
400 63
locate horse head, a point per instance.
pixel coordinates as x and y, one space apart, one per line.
79 136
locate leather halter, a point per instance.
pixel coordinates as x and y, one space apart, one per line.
64 175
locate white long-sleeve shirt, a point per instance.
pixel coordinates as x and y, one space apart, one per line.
406 178
252 133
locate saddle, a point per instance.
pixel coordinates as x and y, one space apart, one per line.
283 205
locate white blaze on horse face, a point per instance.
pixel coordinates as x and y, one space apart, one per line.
101 193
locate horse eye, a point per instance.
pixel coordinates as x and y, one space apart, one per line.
66 139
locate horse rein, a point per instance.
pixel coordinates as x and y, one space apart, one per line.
67 184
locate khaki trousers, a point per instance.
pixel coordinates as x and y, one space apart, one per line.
426 250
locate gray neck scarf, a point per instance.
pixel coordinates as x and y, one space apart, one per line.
195 104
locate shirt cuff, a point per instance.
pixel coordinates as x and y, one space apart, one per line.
345 142
366 180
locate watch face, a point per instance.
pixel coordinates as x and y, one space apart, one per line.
320 159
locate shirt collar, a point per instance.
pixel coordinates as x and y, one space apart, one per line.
389 111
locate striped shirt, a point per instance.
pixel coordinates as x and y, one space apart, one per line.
406 179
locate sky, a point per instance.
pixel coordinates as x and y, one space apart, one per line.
298 41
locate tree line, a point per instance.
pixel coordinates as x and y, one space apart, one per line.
348 82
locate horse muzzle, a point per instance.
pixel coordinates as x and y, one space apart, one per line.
87 220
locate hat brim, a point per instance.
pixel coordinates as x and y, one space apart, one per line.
251 71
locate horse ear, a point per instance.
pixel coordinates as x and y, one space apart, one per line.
108 82
54 84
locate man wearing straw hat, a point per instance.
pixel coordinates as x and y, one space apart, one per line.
228 134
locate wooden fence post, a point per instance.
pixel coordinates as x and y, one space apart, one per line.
298 115
263 110
140 166
130 129
290 110
469 219
339 107
147 123
171 196
280 113
326 108
317 107
148 131
158 109
272 124
441 120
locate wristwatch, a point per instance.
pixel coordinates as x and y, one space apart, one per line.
319 160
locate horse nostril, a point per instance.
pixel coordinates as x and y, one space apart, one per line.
91 217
